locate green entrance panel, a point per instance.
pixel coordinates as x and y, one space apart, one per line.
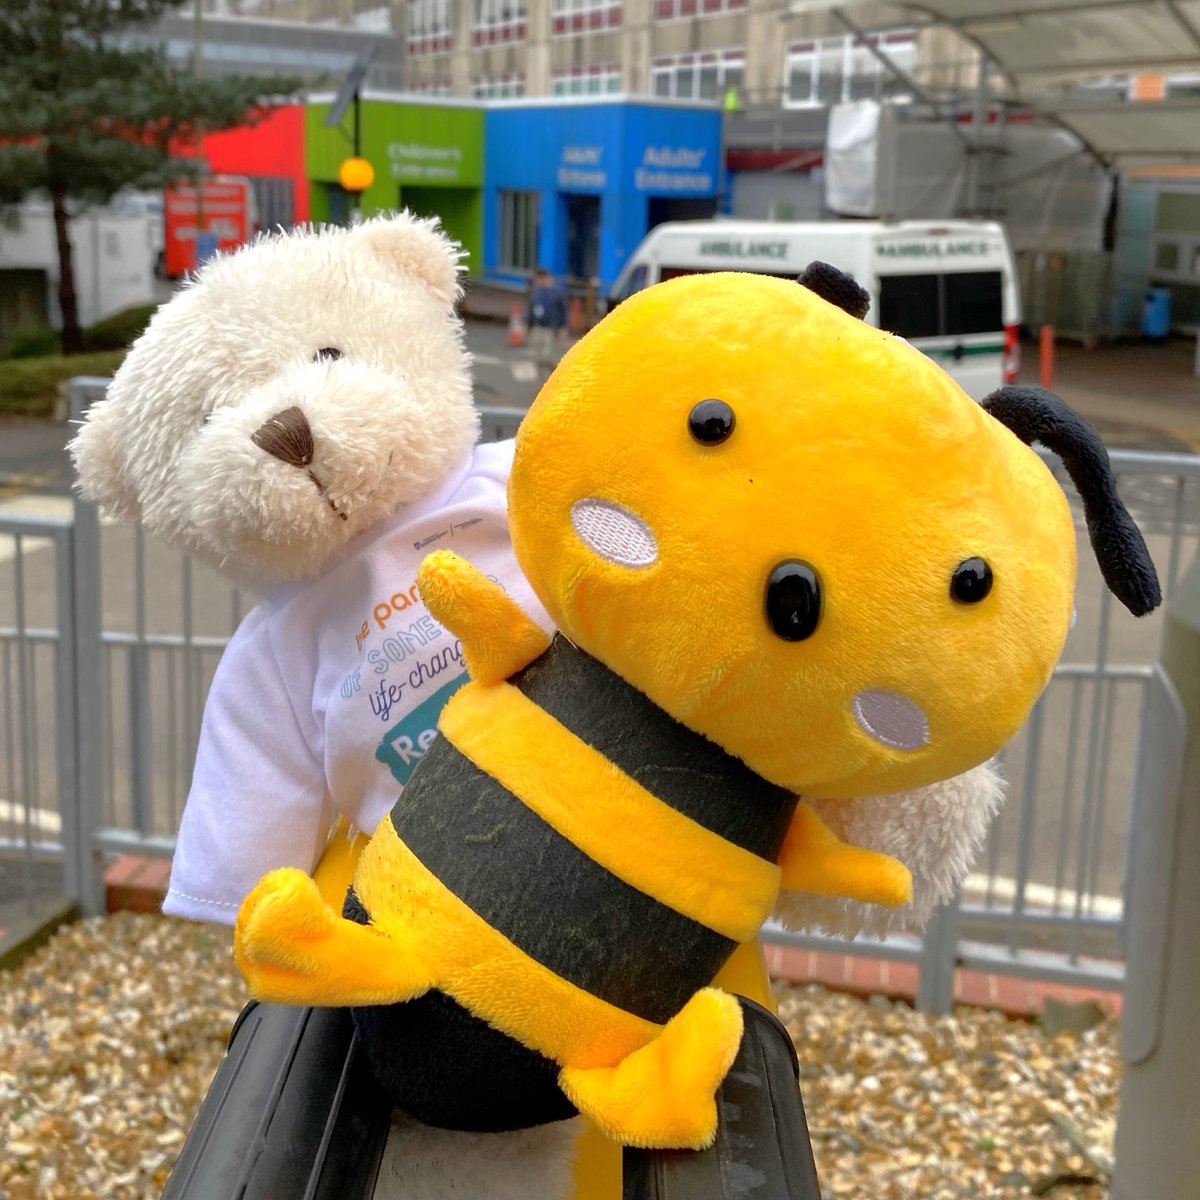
427 157
460 211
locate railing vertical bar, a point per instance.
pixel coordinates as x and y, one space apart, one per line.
1064 819
172 739
35 765
189 664
1097 846
1025 831
939 958
1176 534
10 743
993 843
109 738
24 707
74 835
140 710
86 606
1089 785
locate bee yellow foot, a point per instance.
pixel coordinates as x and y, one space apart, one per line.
663 1095
293 948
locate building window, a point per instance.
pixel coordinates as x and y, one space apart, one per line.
704 75
831 70
594 80
499 21
440 86
430 27
519 228
377 19
569 17
673 10
498 87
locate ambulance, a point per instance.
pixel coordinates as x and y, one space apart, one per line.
948 287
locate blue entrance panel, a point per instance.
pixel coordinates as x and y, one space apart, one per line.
602 170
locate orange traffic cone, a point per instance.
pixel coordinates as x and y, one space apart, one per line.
516 327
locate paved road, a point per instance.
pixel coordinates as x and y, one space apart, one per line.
1140 397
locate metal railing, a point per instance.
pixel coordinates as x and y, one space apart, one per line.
100 761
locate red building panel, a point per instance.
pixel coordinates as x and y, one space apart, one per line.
273 146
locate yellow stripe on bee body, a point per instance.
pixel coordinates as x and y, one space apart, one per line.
603 812
483 970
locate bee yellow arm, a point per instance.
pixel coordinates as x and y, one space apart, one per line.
815 859
498 638
292 948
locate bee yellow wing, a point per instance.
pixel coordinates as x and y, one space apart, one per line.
498 637
815 859
293 948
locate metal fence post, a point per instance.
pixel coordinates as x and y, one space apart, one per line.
1157 1150
80 616
939 958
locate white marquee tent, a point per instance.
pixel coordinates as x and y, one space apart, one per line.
1041 45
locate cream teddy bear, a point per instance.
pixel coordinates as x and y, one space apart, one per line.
300 417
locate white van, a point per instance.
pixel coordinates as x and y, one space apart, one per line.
948 287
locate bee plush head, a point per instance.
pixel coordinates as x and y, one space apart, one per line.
799 537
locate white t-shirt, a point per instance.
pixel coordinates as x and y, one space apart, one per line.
330 690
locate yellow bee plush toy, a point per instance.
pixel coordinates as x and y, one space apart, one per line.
788 558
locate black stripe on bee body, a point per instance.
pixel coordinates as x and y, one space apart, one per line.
546 896
682 768
448 1068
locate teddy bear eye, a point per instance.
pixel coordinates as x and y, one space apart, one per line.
330 353
711 422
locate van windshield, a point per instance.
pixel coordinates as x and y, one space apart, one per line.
951 305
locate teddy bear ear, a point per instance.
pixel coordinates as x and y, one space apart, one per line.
98 471
416 246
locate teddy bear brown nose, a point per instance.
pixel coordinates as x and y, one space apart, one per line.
287 436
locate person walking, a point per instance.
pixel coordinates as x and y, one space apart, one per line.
546 318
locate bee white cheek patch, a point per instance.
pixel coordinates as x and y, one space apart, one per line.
614 533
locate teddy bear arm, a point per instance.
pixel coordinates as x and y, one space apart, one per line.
498 637
815 859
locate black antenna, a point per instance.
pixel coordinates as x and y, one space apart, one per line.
837 287
1036 415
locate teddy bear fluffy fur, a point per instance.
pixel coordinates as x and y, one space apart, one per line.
351 328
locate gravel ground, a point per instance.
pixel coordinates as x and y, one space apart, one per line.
110 1035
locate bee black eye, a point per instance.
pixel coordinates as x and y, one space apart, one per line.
711 422
971 582
331 353
793 601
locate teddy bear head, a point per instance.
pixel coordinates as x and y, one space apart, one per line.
295 393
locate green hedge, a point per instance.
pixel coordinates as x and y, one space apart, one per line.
32 343
120 330
29 386
117 332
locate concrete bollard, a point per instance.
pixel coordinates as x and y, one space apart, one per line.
1157 1147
